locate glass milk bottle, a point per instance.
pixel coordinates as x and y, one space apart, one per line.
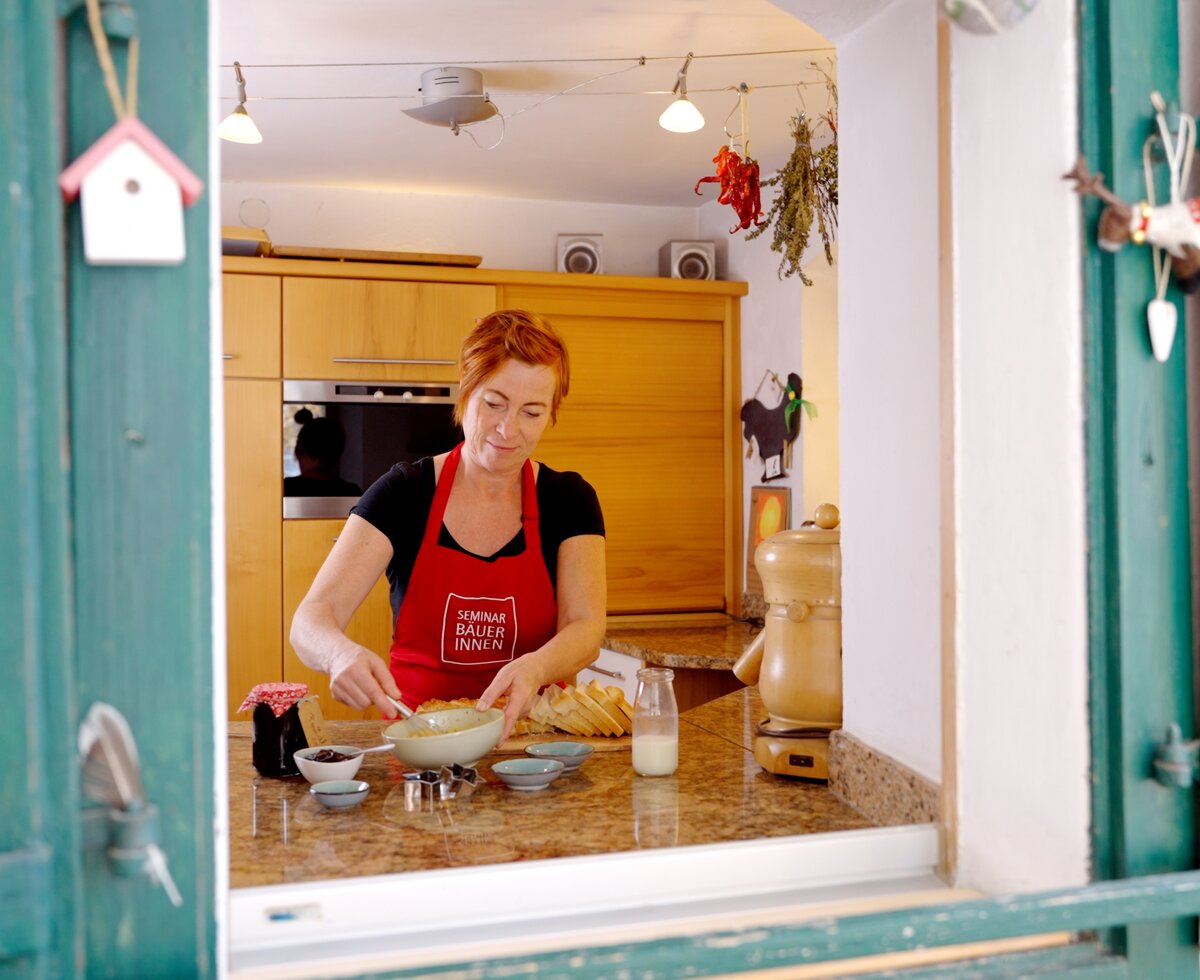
655 723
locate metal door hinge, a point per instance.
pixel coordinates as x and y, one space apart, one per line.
1175 760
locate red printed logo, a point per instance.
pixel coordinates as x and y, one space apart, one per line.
479 630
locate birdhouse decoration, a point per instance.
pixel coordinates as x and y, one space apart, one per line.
132 191
774 429
1172 230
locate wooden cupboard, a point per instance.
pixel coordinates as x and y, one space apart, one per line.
306 545
651 420
371 330
251 338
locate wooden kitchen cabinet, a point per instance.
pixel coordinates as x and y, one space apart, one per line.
252 325
253 554
376 330
306 545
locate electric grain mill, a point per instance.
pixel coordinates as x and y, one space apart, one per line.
796 660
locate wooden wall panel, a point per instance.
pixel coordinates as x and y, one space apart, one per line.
253 555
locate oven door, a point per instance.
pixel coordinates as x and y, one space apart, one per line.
368 428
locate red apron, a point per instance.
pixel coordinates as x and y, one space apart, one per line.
464 617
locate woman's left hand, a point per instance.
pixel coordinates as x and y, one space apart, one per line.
520 681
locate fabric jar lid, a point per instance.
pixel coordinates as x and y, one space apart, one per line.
277 696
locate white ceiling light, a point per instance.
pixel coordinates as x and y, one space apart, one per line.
681 116
238 127
452 97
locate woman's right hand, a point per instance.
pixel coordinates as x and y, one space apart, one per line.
359 678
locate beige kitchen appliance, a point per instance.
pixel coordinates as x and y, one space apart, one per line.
796 660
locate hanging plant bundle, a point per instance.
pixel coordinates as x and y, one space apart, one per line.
808 193
739 187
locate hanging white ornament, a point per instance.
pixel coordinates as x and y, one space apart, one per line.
1163 317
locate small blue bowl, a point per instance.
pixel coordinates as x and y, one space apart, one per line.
528 774
340 794
571 754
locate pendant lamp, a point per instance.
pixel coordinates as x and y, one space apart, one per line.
238 127
681 116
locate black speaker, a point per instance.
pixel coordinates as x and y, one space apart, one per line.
688 260
580 253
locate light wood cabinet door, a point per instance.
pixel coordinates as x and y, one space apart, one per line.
306 545
252 325
643 424
368 330
253 550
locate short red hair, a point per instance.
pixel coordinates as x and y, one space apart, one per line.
516 334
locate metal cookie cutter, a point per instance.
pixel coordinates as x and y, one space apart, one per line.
457 782
420 790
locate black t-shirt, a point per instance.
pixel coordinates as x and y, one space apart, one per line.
398 505
311 486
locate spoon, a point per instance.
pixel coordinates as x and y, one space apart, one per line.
385 747
408 714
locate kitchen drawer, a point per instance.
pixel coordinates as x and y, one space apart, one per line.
375 330
610 662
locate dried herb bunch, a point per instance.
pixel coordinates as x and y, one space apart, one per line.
808 191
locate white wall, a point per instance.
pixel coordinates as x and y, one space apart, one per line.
888 357
770 315
1022 759
508 233
819 340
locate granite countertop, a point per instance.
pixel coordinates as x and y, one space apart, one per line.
715 646
279 833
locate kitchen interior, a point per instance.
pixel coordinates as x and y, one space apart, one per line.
367 207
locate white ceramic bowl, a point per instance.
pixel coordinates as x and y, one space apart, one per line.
461 735
340 794
528 774
320 772
571 754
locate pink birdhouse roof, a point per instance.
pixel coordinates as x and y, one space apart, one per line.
71 179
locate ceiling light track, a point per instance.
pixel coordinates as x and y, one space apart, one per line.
660 92
529 61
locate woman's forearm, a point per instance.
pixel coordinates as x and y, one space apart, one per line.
316 636
571 649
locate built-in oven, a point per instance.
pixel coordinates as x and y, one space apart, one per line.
365 429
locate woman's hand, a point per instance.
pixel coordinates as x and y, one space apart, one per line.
520 680
359 678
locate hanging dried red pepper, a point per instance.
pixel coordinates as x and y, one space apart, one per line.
739 187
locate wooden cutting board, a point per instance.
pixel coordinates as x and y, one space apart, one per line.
371 255
601 743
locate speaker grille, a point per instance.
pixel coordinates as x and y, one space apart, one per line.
688 260
694 265
580 253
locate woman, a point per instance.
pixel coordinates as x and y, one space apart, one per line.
496 563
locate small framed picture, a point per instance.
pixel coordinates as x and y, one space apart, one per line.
770 511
